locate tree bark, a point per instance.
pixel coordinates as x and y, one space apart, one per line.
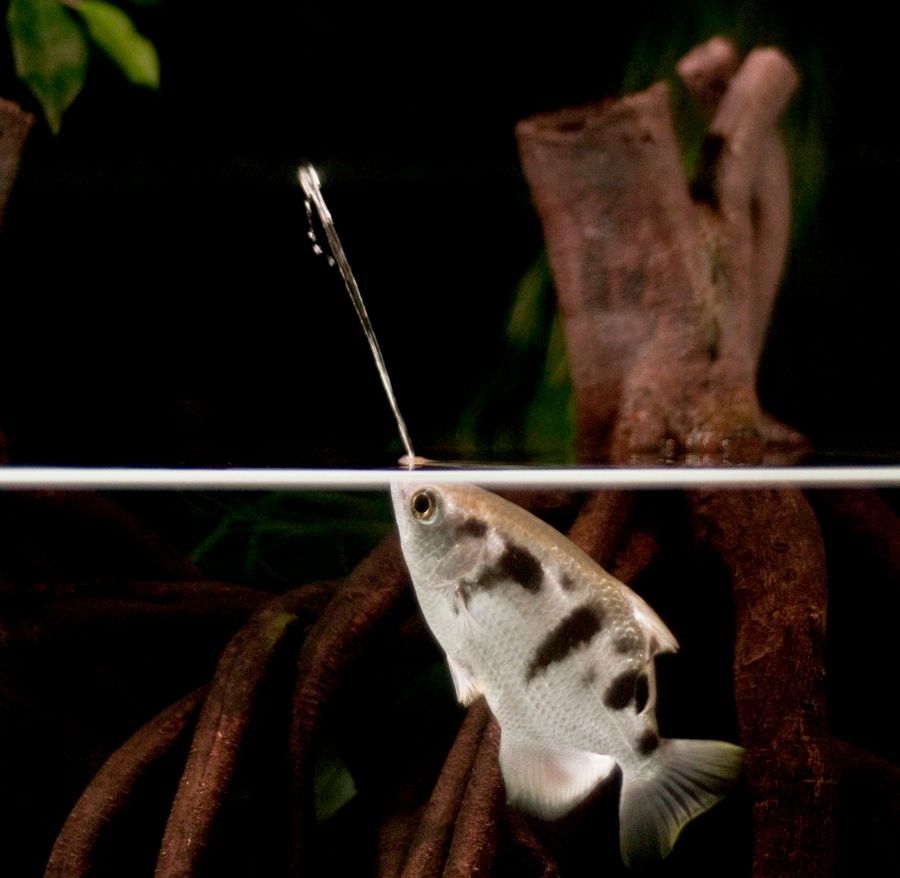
771 543
665 288
14 127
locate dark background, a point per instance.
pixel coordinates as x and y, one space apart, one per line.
160 304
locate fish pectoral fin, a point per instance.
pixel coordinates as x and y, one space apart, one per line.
466 688
548 782
690 777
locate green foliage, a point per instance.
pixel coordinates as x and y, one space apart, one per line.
333 784
527 409
112 30
51 42
550 431
50 52
281 539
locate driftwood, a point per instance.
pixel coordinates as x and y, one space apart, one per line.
665 287
223 725
14 127
772 546
665 290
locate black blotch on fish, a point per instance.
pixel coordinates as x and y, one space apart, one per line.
579 627
516 564
472 527
567 583
641 693
648 742
522 566
621 691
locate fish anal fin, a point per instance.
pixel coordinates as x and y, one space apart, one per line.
547 782
690 778
466 688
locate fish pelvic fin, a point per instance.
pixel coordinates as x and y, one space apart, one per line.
691 777
466 688
548 782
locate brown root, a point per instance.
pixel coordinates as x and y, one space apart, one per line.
431 842
14 127
223 724
74 853
651 272
770 543
359 606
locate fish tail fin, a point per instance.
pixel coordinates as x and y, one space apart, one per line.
690 777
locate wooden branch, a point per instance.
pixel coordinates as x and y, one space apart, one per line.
749 190
223 724
74 853
474 842
605 531
360 604
395 835
666 291
709 72
601 524
635 556
14 127
529 847
620 232
431 843
771 544
707 69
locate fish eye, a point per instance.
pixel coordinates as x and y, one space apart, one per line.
425 505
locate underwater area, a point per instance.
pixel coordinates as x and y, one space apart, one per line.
573 270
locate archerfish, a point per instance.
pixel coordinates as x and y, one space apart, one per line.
563 653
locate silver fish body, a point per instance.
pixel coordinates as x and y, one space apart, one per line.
563 653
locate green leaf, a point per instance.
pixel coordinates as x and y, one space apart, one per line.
527 410
333 784
549 429
113 31
50 53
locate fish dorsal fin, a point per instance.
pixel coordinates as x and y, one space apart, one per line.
661 639
549 782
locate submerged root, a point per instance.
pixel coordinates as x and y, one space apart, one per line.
431 843
474 843
335 641
223 724
75 851
770 543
